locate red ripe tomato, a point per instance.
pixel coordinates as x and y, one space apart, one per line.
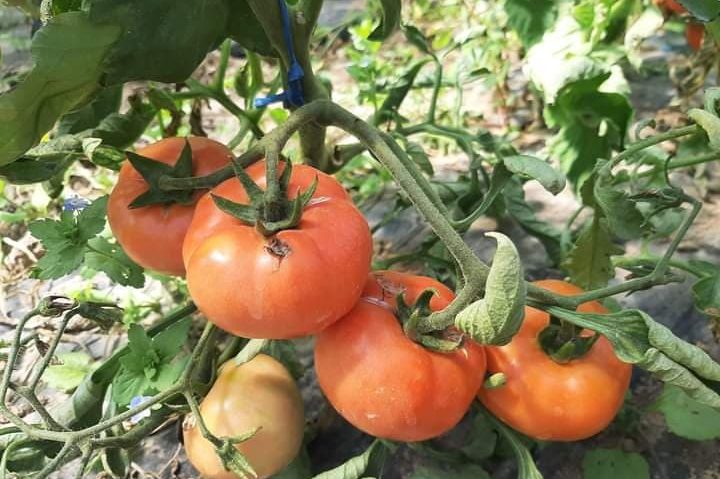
257 394
551 401
670 6
695 33
384 383
291 284
153 235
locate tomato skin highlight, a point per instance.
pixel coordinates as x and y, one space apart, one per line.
295 283
153 235
550 401
259 393
695 34
385 384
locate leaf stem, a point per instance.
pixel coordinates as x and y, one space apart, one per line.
653 140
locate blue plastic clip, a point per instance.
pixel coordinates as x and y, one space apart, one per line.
293 97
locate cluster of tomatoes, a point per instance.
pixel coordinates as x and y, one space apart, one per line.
694 31
315 279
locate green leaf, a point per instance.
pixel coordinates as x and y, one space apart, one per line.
496 318
105 103
482 439
171 340
244 28
115 462
530 19
397 93
91 220
65 240
161 99
175 37
391 10
526 465
561 58
709 122
688 418
141 346
368 464
623 217
638 339
151 365
113 261
534 168
62 6
706 292
614 464
27 170
705 10
299 468
127 384
168 373
592 123
603 20
589 263
70 372
523 213
67 54
121 130
468 471
415 36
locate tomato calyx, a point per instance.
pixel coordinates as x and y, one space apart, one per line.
152 171
268 215
562 341
410 316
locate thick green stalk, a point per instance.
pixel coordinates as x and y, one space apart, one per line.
303 18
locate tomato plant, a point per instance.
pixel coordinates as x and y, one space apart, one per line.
475 144
383 382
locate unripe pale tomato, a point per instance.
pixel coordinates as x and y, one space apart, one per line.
293 283
153 235
550 401
260 393
384 383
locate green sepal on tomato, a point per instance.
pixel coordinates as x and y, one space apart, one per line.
292 283
384 383
153 235
555 401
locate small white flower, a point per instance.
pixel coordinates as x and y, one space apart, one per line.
138 401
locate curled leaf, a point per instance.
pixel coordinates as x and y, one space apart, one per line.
671 372
708 122
638 339
682 352
536 169
497 317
